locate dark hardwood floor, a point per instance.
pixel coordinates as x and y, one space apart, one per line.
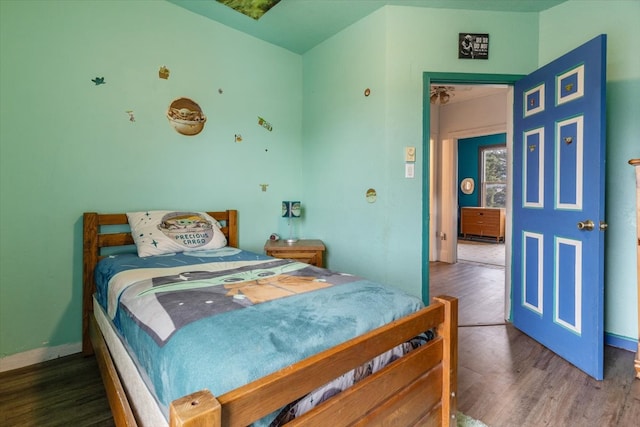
505 378
63 392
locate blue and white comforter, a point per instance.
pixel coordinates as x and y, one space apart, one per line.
221 319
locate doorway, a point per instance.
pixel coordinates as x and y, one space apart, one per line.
442 182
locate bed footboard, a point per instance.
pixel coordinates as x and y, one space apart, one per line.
418 389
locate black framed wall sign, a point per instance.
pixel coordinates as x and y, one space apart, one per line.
473 46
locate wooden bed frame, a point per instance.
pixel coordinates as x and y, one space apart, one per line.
417 389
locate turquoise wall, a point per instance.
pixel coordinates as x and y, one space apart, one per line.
469 164
67 145
345 150
353 142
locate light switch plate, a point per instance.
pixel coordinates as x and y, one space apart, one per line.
409 154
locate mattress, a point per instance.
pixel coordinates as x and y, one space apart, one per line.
221 319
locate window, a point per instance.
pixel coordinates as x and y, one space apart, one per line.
493 174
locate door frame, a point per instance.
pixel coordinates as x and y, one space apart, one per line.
430 78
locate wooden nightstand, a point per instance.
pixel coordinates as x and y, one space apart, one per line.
308 251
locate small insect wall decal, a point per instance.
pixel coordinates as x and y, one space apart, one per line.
99 81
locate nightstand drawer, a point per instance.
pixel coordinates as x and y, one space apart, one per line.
307 251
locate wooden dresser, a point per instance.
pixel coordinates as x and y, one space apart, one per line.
484 222
636 164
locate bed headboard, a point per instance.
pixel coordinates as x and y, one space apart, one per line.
95 238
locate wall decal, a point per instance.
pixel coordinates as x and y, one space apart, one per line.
367 92
220 91
186 116
264 186
265 124
131 117
163 73
238 137
99 81
371 195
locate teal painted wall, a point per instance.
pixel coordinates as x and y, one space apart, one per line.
352 142
67 146
617 19
469 164
345 149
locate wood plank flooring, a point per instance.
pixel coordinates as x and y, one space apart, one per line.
63 392
505 378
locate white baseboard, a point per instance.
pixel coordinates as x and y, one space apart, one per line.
38 355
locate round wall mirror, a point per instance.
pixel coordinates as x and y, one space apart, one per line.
467 185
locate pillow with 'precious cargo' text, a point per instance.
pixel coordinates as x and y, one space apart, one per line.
165 232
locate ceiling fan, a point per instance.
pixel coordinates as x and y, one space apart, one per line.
441 94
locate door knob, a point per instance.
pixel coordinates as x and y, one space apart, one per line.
587 225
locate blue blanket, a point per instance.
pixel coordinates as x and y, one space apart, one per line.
232 316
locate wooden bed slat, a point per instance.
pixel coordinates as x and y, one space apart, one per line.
433 418
267 394
112 219
368 394
115 239
407 406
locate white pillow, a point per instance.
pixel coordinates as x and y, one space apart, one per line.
165 232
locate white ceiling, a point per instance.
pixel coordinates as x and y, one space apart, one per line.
299 25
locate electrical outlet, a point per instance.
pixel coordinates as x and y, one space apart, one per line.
409 170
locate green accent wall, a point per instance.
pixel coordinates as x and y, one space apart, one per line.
353 142
67 145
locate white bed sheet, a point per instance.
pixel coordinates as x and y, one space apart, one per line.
147 411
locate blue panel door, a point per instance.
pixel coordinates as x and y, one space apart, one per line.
558 205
